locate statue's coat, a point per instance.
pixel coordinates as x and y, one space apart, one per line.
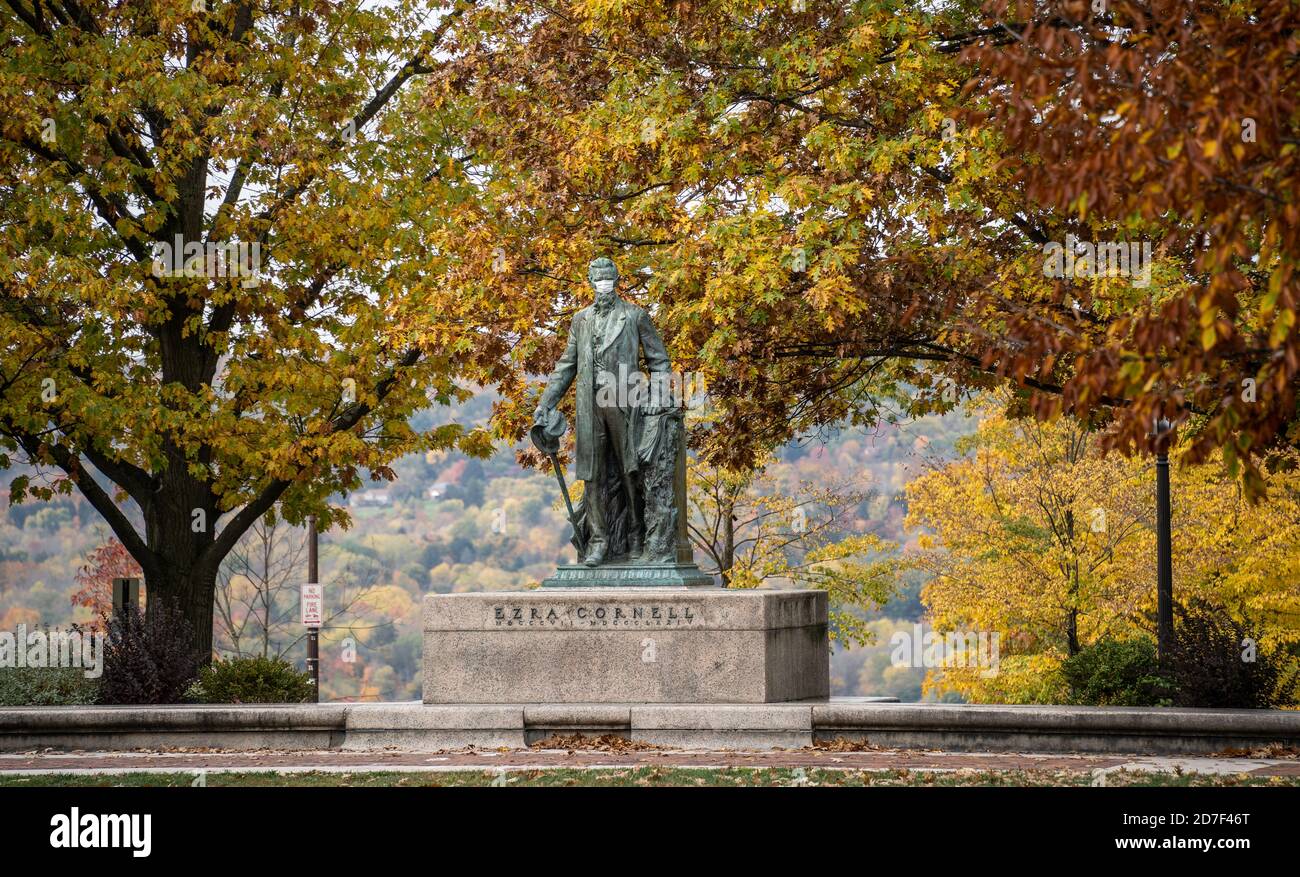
631 334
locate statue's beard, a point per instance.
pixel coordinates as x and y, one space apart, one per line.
605 300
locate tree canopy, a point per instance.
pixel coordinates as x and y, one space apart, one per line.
210 214
833 204
244 241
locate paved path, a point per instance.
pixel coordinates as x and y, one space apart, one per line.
615 757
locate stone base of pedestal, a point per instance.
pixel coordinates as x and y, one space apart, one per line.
626 645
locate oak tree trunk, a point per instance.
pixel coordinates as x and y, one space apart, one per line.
179 523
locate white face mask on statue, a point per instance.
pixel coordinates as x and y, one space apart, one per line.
603 287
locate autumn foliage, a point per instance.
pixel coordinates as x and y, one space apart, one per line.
1174 122
838 213
1035 533
837 208
95 580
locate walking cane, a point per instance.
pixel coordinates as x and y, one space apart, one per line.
546 438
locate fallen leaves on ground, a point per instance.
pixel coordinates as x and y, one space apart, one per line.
840 744
1269 750
601 743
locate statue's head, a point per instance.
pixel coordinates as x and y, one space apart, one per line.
603 276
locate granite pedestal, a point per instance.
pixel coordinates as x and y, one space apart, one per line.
626 645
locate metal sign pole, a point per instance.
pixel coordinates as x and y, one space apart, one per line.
313 632
313 661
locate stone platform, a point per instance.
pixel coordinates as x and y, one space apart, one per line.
626 645
425 728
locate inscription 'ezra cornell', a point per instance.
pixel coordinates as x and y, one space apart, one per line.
653 615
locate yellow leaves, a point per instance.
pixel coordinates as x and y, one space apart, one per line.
796 190
1025 529
831 296
862 36
1269 302
1281 327
476 443
1210 148
389 601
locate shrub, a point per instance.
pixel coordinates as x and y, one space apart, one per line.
1210 663
47 686
1116 673
252 680
147 658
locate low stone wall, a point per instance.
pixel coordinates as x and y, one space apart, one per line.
432 727
1139 730
279 726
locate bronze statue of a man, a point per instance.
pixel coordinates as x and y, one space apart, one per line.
602 361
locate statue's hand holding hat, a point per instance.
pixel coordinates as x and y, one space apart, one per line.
549 426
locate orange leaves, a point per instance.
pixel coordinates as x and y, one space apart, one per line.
95 579
1173 129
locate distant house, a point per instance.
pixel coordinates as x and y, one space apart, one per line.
437 490
370 498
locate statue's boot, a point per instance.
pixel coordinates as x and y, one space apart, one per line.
595 553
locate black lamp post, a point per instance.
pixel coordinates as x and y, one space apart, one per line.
1164 545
